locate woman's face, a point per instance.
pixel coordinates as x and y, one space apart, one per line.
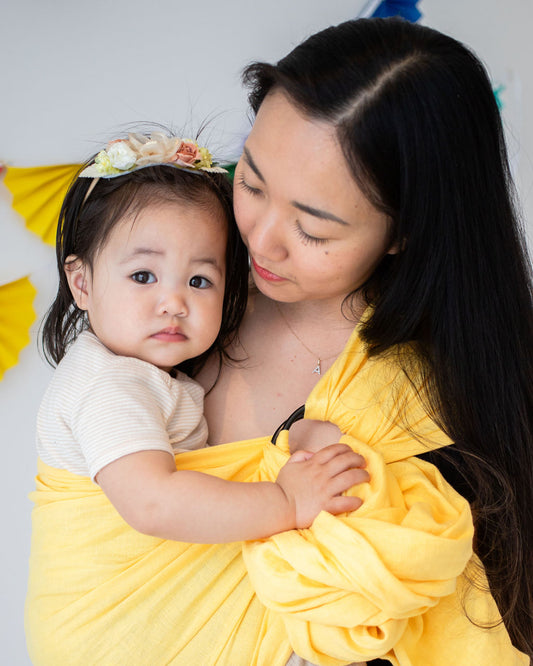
310 232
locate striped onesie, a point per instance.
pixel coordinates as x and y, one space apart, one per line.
100 407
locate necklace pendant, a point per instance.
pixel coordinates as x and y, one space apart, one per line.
317 370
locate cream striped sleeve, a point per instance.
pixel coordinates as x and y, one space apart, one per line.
128 408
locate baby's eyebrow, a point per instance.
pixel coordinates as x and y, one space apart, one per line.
208 260
149 251
140 251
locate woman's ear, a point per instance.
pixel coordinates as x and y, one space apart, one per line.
76 274
396 248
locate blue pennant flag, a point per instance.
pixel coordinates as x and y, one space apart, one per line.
404 8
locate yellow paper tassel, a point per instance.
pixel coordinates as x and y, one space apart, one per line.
38 193
16 317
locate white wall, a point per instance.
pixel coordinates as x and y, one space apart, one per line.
74 72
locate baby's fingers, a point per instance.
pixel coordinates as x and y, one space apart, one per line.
346 461
342 504
346 479
338 451
300 456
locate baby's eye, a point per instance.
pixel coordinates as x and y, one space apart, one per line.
200 282
143 277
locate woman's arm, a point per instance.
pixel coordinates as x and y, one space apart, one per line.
156 499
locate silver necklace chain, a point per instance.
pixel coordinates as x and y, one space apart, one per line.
318 366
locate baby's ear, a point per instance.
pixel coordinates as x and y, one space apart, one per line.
77 276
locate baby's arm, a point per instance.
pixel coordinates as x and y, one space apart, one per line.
156 499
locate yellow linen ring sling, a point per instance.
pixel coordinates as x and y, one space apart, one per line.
386 580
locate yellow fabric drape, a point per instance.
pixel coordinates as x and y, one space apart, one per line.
16 317
101 593
385 580
38 194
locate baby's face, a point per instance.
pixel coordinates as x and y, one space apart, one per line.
157 286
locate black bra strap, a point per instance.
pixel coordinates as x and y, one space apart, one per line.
295 416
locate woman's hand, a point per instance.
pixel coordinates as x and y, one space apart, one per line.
314 482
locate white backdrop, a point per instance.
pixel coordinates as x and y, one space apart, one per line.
73 73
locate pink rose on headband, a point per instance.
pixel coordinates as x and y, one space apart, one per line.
188 152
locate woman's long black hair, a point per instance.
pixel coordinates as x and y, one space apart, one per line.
85 223
421 131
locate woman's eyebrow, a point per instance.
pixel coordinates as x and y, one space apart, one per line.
316 212
253 166
310 210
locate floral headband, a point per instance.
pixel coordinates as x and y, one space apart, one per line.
138 151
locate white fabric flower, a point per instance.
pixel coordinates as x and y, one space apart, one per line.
121 155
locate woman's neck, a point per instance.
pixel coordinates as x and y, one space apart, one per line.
307 333
277 370
326 314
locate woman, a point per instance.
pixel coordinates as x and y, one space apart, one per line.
376 174
393 299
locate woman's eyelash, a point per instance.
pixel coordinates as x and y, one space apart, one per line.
306 238
251 190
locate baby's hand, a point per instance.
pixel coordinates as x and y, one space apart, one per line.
315 482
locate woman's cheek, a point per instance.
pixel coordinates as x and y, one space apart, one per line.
240 211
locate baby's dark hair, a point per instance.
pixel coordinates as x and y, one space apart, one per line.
85 223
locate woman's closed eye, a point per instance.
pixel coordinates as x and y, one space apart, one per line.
200 282
306 238
143 277
254 191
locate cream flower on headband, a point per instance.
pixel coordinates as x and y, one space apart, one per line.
121 156
138 150
157 148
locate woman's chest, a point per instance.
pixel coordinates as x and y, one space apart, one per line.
252 399
273 375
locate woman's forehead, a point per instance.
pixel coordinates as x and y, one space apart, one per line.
300 157
281 119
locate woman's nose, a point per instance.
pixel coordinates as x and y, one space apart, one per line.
266 238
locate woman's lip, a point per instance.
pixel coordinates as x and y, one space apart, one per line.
266 275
